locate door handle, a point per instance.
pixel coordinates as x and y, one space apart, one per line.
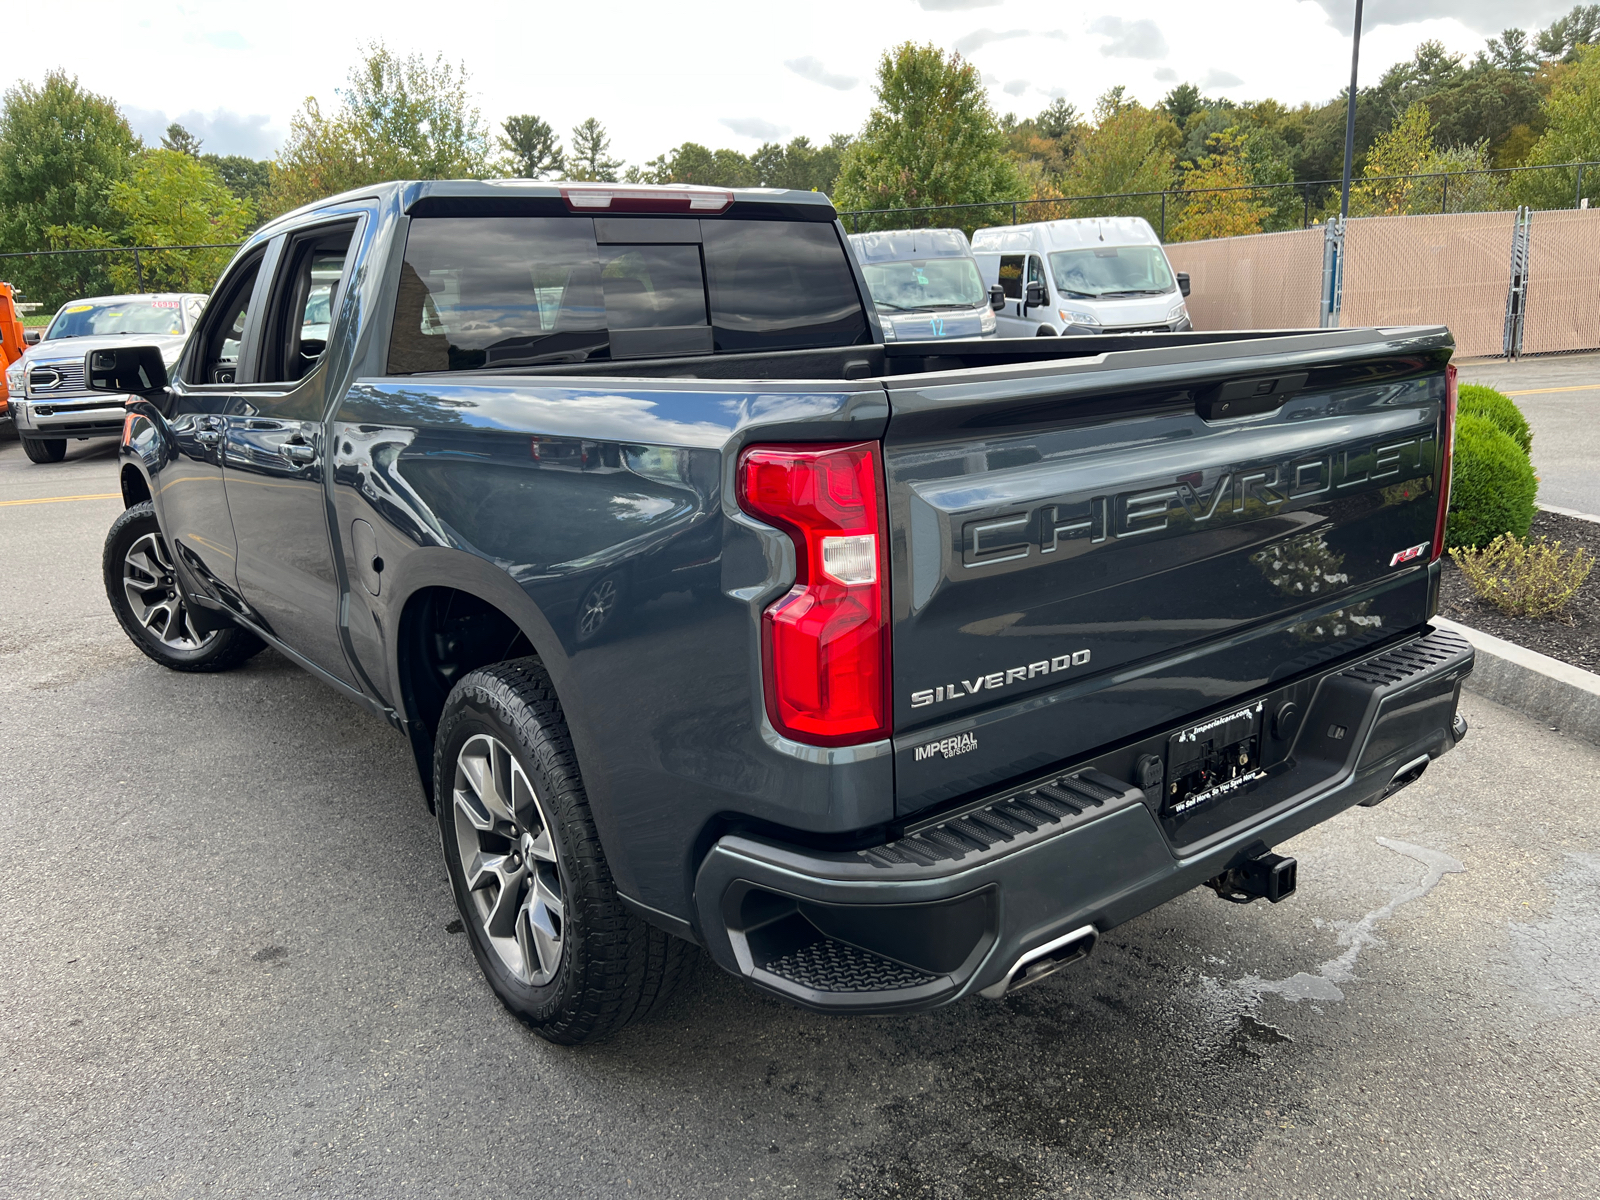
208 437
298 452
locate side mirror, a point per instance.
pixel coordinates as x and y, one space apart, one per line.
997 297
126 370
1183 282
30 337
1034 296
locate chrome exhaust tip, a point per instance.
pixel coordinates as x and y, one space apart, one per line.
1045 960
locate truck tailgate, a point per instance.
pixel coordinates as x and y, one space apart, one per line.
1085 550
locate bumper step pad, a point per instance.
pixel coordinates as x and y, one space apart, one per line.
830 966
1042 809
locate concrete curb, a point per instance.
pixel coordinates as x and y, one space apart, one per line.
1564 696
1568 512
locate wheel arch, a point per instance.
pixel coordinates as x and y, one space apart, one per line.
135 487
454 613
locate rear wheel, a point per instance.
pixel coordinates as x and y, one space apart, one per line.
45 450
530 878
144 593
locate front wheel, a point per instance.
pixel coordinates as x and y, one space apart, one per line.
1045 331
144 593
530 878
45 450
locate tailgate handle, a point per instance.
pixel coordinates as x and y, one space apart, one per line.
1247 397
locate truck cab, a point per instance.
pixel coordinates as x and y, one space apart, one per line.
1082 277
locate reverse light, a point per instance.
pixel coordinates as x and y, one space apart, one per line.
1447 454
825 644
645 198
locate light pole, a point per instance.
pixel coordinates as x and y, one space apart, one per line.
1350 119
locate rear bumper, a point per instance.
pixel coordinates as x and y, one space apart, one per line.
950 906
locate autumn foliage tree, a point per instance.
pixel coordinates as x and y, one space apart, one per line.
1216 198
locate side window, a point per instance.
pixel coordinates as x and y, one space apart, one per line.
304 303
1011 275
1036 270
222 335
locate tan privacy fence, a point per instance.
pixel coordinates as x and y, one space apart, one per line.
1504 282
1263 281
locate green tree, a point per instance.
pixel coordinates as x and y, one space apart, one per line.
1213 205
530 149
1511 51
1128 149
398 119
1181 101
247 178
800 165
172 199
591 153
931 139
180 139
1572 134
1562 39
61 148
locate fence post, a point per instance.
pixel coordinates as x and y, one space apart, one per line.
138 269
1444 195
1163 216
1306 222
1577 200
1332 272
1517 293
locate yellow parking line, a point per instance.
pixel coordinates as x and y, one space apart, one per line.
1582 387
63 499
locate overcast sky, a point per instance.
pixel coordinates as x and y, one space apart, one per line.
721 72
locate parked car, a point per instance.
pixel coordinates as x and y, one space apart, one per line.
925 284
889 673
51 403
1086 276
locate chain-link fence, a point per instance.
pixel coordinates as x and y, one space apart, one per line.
1182 214
1264 281
1562 305
51 278
1442 269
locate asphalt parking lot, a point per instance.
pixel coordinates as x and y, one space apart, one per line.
1560 396
229 970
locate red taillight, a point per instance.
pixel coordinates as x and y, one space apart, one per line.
645 198
825 645
1447 454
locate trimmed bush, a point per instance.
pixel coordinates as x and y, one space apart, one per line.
1498 407
1493 486
1535 578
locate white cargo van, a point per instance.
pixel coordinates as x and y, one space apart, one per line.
925 284
1087 276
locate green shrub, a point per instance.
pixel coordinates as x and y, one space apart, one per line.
1493 487
1525 579
1498 407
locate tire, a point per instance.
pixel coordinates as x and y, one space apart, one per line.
1045 331
44 450
531 881
137 567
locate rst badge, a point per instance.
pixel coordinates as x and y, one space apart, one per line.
1410 554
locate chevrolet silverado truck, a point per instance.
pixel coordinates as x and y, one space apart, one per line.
889 674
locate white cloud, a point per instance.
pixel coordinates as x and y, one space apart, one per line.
1484 16
1220 79
1166 75
1130 39
1016 87
980 38
755 127
812 69
223 131
955 5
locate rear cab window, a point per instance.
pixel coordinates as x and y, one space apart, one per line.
501 292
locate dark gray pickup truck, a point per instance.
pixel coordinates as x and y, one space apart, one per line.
886 674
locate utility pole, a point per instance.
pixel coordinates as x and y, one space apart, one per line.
1350 119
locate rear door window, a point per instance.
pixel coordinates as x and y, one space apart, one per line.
781 285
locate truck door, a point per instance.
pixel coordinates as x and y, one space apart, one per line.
187 484
276 458
1008 321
